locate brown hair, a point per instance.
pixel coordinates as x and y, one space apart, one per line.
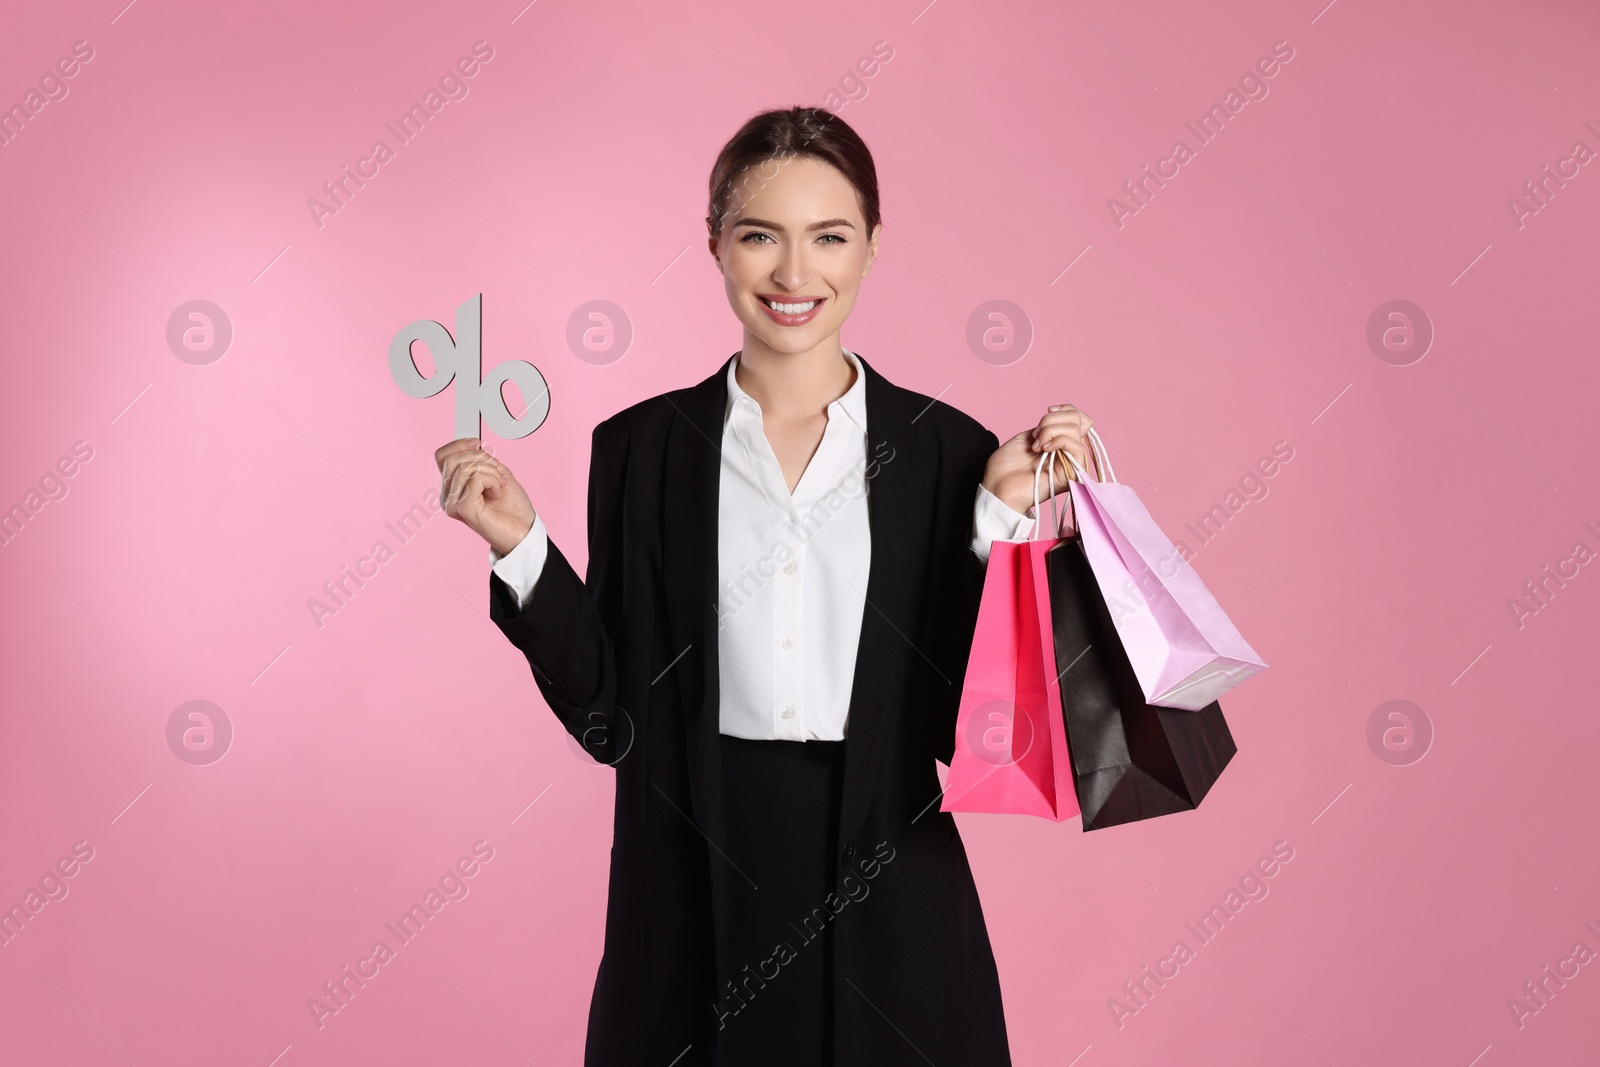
777 136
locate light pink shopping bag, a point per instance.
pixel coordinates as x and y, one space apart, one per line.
1185 650
1011 740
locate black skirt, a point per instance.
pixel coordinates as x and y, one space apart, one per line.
783 800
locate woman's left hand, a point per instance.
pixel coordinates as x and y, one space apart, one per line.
1009 474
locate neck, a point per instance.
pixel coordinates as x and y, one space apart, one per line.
794 385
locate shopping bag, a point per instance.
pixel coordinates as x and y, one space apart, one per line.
1010 752
1131 760
1184 649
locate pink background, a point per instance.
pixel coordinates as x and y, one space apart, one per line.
1228 314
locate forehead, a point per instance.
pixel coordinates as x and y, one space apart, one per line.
793 190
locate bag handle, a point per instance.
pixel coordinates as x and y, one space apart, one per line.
1102 459
1055 509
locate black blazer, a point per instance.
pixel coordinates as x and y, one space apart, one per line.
627 659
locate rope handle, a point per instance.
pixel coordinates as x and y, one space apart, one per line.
1072 468
1102 459
1055 509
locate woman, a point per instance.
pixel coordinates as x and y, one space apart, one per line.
784 568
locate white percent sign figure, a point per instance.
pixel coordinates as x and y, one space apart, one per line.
460 360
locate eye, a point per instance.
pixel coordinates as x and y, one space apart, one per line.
746 239
837 239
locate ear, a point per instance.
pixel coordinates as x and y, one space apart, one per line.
711 242
872 249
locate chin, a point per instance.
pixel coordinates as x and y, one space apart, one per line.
794 342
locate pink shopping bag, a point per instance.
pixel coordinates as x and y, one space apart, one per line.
1184 649
1011 753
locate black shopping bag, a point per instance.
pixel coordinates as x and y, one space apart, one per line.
1130 760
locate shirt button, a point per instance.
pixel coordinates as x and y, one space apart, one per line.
848 854
788 713
788 643
789 568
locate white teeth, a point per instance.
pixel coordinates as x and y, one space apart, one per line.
790 309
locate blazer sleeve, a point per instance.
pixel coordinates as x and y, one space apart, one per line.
956 574
569 626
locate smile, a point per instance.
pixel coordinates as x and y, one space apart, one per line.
792 313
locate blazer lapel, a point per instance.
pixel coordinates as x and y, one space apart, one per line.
893 466
692 470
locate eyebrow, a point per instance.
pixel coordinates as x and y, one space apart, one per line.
825 224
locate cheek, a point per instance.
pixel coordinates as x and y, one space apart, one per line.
745 266
845 300
848 277
733 270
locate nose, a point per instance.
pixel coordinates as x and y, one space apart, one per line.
792 270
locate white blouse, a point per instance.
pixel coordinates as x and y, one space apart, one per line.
792 569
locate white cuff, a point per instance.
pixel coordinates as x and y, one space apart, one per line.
520 568
995 520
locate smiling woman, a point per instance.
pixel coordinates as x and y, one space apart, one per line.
783 743
826 185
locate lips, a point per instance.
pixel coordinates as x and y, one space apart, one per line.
784 318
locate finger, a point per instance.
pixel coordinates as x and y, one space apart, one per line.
1072 445
449 489
1057 439
475 491
1074 427
1058 434
1055 423
457 475
1068 443
1078 452
460 444
1070 418
1069 409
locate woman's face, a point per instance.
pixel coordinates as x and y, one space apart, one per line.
793 235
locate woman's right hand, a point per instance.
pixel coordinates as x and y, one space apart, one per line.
483 493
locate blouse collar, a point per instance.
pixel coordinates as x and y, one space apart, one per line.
853 403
